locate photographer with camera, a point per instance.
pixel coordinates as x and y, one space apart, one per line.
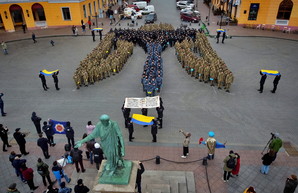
275 145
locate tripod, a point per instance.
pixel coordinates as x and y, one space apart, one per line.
272 137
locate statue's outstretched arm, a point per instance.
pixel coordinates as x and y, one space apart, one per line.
91 136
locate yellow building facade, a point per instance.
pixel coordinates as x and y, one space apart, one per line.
50 13
275 14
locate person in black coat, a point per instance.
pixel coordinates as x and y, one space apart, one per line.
55 77
144 112
126 113
140 171
223 37
4 137
262 81
77 158
217 36
80 187
69 134
49 133
20 138
154 130
43 81
36 120
2 105
275 83
130 129
98 155
43 144
291 184
160 115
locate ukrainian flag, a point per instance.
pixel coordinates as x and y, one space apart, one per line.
142 119
220 30
270 72
48 73
97 29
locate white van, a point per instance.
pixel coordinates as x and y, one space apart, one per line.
140 4
148 9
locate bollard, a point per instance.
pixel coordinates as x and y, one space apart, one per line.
157 159
205 161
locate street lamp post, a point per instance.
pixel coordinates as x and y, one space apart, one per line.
96 16
209 14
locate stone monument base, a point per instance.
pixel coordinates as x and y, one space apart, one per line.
116 188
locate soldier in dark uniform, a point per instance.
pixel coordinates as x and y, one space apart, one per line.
55 77
43 81
20 138
36 120
43 144
262 81
217 36
275 83
154 130
126 113
49 133
2 105
160 115
144 112
130 129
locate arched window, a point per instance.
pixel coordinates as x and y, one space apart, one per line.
285 9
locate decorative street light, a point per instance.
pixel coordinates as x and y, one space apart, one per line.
221 16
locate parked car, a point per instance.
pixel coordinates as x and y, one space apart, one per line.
134 7
190 17
184 4
148 9
140 4
129 11
151 18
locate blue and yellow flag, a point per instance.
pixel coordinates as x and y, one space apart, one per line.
220 30
270 72
97 29
142 119
48 73
58 126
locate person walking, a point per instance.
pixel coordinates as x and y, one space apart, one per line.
80 187
59 173
236 169
4 47
36 121
64 189
291 184
28 176
89 23
100 34
77 158
43 81
52 43
49 133
43 170
262 81
154 130
4 137
218 36
267 160
55 77
140 171
20 138
69 134
229 165
2 105
130 129
43 144
223 37
274 146
83 28
12 188
93 35
34 38
185 143
98 155
275 83
24 27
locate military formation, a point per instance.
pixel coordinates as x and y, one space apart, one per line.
193 51
201 61
102 62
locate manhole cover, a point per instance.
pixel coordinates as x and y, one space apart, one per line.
290 149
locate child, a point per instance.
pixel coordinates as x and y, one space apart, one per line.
267 160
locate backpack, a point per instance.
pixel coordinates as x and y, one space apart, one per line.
231 163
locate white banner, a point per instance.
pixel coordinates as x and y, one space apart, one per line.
138 103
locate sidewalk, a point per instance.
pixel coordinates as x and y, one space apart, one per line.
249 171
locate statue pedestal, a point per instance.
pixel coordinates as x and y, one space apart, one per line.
109 188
